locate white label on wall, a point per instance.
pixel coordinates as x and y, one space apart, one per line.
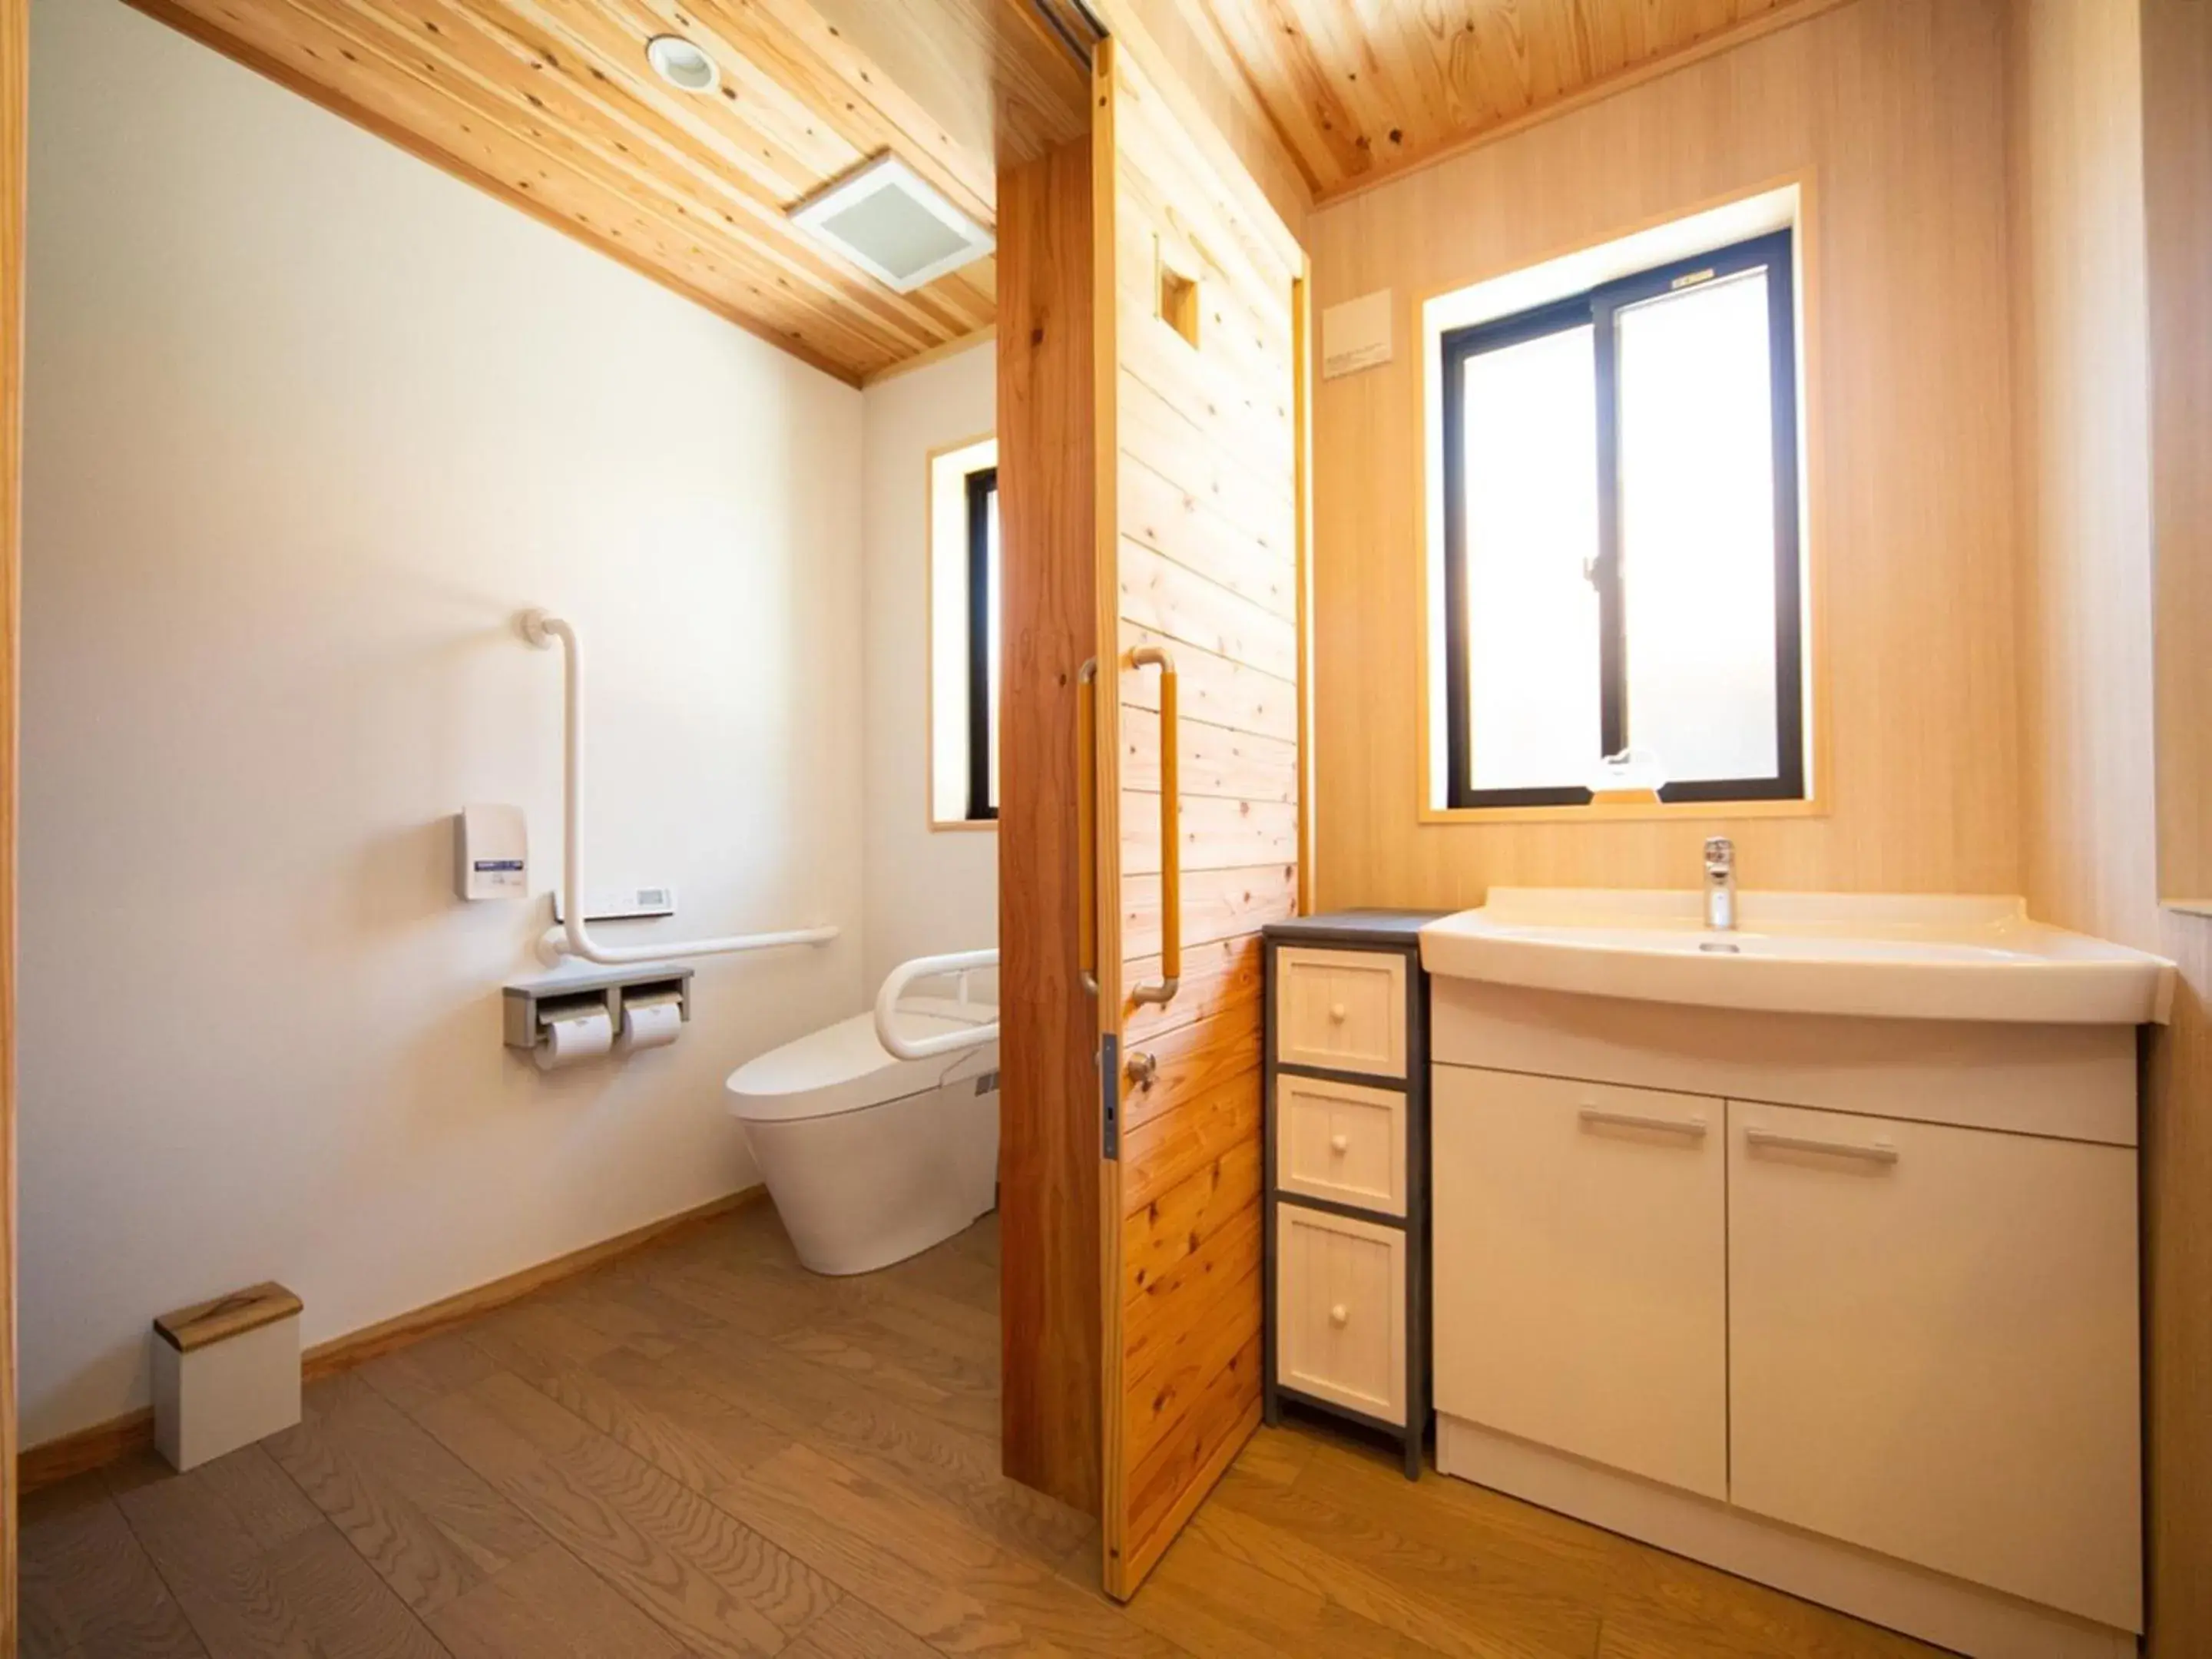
1355 335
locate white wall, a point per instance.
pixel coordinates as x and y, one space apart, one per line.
308 421
929 890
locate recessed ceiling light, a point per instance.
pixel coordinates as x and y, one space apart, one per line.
682 64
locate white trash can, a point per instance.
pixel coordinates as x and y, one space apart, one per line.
226 1373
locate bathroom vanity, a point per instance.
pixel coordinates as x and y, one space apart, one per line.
1808 1250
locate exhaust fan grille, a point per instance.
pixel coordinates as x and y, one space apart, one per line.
887 220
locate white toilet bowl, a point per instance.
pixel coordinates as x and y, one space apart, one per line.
871 1159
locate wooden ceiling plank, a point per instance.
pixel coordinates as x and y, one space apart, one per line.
791 39
278 63
1344 43
372 37
1278 61
472 54
1774 15
688 145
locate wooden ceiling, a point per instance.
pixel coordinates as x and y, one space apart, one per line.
1358 90
550 105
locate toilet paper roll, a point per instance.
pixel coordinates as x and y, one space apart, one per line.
573 1038
650 1025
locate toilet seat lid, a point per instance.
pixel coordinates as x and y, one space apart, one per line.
842 1067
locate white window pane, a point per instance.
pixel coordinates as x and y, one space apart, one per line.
1530 460
991 589
1697 529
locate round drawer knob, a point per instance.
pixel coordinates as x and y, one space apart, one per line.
1338 1012
1339 1315
1339 1145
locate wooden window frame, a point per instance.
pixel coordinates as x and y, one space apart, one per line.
1596 308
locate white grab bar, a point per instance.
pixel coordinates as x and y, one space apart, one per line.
572 938
963 963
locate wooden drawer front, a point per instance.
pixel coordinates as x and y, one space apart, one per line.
1341 1141
1340 1311
1933 1348
1344 1010
1581 1291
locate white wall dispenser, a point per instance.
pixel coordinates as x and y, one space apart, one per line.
491 853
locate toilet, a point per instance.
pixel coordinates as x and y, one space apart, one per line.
871 1159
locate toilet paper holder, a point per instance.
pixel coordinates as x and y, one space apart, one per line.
529 1004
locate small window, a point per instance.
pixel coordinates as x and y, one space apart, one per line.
1621 577
964 602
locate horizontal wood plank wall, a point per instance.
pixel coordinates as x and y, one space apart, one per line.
1048 1116
1893 112
1204 547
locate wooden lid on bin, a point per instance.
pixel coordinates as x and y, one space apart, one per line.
227 1315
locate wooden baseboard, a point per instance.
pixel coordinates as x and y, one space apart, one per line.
103 1444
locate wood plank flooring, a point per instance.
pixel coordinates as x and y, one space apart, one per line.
702 1450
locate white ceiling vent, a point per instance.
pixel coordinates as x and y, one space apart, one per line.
888 221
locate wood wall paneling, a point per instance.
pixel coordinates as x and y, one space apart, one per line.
1202 545
2177 60
1049 1116
14 92
1892 111
554 109
2101 116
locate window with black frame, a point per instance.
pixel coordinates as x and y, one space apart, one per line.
983 569
1621 559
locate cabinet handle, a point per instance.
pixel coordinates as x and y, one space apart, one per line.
1880 1152
1339 1315
1339 1145
1338 1012
1593 1118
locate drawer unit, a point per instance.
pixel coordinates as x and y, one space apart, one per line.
1347 1152
1340 1311
1345 1142
1342 1011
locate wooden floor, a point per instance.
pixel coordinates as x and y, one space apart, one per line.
704 1450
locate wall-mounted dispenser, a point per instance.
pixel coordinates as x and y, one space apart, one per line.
491 853
563 1018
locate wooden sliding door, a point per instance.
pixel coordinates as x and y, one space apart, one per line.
14 56
1198 593
1149 480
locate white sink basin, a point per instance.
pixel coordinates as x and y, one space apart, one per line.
1874 956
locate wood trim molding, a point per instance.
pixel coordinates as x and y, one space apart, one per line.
987 335
93 1448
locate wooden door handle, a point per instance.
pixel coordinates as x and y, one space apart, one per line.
1086 824
1158 656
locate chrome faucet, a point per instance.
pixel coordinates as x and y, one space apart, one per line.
1720 884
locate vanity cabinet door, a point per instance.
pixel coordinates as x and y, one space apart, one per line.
1933 1348
1580 1290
